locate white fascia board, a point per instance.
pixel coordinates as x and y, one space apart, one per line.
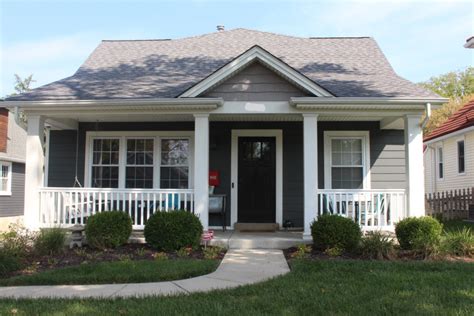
255 53
352 103
469 43
112 104
446 136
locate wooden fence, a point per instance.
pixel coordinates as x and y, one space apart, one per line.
452 204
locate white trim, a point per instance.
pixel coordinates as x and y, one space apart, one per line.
365 137
123 135
8 191
255 53
452 134
278 134
365 102
46 155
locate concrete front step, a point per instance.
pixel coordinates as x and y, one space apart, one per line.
257 240
256 227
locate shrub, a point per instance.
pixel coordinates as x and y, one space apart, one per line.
108 229
376 245
212 252
458 243
334 231
50 241
170 231
8 263
17 241
421 234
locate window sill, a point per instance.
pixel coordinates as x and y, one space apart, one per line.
5 193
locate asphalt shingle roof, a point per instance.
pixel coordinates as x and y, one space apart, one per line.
347 67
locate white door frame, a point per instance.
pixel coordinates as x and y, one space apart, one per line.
278 134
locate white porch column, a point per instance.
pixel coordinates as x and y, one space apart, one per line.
201 168
34 170
310 165
414 166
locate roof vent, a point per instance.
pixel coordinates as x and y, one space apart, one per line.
220 28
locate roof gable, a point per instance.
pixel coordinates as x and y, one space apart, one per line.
256 82
255 53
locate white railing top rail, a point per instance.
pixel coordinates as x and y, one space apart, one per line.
69 189
361 190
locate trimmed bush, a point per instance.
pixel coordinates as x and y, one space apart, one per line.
108 229
419 234
170 231
376 245
50 241
334 231
458 243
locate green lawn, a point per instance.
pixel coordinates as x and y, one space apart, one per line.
312 288
118 272
452 225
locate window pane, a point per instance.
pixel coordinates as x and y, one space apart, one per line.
174 177
4 177
174 152
105 177
346 152
139 169
347 178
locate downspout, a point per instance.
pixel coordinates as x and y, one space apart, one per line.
427 116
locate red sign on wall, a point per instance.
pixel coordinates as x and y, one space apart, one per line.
214 178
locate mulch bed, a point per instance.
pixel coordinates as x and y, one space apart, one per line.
401 255
86 255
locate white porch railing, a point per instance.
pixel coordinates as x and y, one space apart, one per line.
66 207
371 209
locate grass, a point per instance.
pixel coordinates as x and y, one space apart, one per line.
118 272
453 225
333 287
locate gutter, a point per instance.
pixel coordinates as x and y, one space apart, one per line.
163 103
349 103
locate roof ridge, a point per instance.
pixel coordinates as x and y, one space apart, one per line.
138 40
339 37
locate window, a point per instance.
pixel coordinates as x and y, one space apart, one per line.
105 163
461 157
5 178
346 159
346 164
139 168
174 167
440 163
139 160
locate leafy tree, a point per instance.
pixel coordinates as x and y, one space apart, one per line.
458 86
22 85
454 84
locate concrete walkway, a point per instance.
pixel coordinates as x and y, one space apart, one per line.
239 267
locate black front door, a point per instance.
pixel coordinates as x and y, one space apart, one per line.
256 180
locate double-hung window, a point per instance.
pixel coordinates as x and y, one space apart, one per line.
346 160
174 167
5 177
139 166
139 161
105 163
461 157
440 161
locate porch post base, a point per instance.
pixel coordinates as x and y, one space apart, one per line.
307 236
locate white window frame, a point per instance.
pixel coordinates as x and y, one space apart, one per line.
127 165
124 135
365 137
438 175
457 156
159 159
8 191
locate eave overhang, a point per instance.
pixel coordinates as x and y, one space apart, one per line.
348 103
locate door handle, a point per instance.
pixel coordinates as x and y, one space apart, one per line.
232 185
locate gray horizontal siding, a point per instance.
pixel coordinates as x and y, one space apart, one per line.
387 156
13 205
256 83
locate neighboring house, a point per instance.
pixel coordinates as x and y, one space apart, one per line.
292 127
12 169
449 153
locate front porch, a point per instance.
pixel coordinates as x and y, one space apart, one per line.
142 164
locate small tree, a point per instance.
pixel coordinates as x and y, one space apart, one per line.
23 85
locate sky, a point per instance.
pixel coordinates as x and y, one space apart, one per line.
51 39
